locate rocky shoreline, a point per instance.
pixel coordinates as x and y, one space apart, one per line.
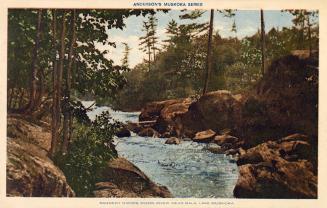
31 173
271 130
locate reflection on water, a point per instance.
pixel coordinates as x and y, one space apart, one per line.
188 169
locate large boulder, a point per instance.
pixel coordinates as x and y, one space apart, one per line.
123 179
30 172
215 110
168 120
266 173
152 110
284 101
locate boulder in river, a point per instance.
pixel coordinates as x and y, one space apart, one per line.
134 127
152 110
215 148
148 132
123 132
204 136
222 139
173 140
123 179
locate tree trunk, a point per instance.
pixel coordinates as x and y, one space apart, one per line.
209 49
67 113
309 34
21 98
31 104
54 121
263 44
10 96
149 49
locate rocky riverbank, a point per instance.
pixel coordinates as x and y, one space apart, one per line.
30 172
271 129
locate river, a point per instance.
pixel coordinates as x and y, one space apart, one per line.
187 169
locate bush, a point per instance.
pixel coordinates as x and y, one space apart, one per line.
90 150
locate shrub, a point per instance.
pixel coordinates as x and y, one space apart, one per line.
90 150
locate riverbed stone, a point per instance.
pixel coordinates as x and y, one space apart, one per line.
123 132
173 140
204 136
215 148
148 132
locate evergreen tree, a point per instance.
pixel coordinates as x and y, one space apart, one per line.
153 23
146 43
126 54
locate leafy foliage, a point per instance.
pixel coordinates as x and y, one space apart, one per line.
89 152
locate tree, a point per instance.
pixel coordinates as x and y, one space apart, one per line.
208 60
125 60
34 71
263 48
226 13
172 31
67 123
153 31
57 87
234 30
303 20
146 42
55 104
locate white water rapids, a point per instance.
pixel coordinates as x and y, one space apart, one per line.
187 169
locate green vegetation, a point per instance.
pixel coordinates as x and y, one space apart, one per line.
236 64
88 154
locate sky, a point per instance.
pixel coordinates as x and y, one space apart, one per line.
247 24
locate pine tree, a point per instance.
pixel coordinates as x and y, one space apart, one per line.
172 33
126 54
153 23
146 43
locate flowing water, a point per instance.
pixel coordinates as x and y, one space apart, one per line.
187 169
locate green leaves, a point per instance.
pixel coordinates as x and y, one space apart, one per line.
89 152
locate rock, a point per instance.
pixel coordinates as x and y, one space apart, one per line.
241 151
134 127
204 136
215 110
152 110
123 132
250 158
286 78
222 139
227 146
295 137
123 179
169 121
19 127
148 132
214 148
232 152
291 180
31 173
302 149
173 140
265 173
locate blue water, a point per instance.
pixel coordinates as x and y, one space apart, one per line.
187 169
